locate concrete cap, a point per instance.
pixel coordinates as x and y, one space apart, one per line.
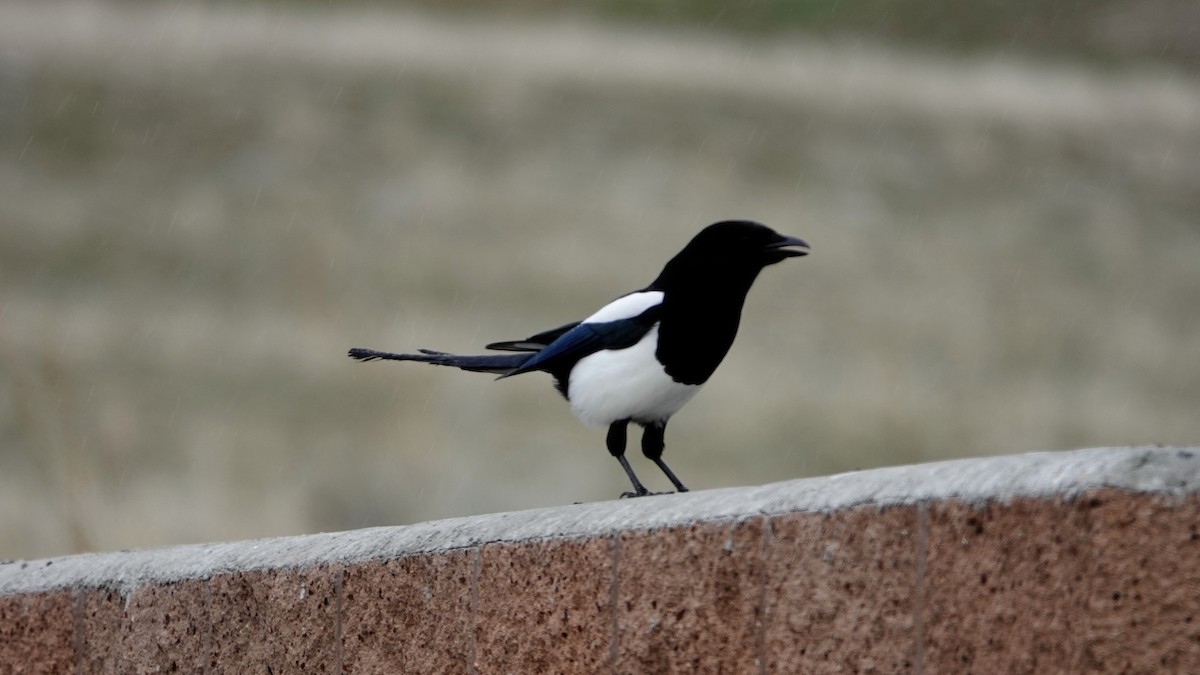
1171 471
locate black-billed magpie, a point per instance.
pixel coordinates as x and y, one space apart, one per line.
641 357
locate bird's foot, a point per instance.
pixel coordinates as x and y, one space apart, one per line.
645 493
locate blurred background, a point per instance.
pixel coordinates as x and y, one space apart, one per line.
204 204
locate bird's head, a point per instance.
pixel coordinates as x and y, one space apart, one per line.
745 242
730 250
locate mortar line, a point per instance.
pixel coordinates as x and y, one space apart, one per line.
614 597
919 590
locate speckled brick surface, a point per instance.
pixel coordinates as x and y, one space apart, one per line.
689 599
840 592
544 607
1076 562
101 630
37 633
409 615
1142 607
157 628
1005 586
277 621
170 628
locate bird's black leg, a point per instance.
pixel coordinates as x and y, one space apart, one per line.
616 446
652 448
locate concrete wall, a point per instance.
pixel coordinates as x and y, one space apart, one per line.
1072 562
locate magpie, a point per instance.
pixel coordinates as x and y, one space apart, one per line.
641 357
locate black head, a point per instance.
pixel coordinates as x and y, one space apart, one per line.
731 251
744 242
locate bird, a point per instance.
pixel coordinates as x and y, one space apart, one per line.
641 357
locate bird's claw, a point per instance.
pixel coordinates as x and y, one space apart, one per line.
645 493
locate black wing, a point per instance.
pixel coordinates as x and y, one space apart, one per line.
533 343
583 339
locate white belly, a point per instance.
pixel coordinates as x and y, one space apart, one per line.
626 383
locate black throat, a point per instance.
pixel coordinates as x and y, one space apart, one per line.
700 314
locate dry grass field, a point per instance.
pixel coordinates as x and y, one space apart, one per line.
203 206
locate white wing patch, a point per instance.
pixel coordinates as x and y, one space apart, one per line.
626 307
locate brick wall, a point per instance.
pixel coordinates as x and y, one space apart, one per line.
1053 562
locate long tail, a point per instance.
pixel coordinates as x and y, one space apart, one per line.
499 364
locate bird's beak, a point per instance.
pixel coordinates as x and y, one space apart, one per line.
780 249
